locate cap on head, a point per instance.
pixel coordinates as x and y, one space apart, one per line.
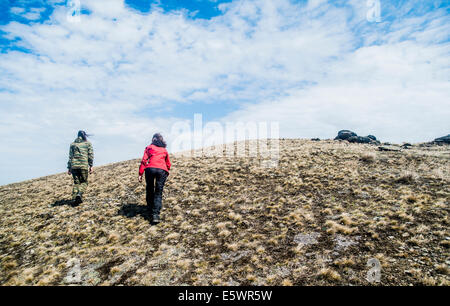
82 134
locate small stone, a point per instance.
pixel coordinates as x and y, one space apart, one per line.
306 239
343 242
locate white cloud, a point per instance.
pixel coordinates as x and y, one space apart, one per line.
17 10
303 65
31 14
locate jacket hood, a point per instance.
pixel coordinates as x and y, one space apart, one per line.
78 140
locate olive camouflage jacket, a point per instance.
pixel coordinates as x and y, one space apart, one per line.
81 155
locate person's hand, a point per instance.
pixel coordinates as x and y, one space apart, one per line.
91 169
140 178
68 172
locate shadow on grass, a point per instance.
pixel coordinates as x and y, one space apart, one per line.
64 202
132 210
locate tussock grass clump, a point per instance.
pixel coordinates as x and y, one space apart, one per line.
329 274
345 262
442 269
407 177
369 157
334 227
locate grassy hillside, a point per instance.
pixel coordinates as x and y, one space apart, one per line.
316 219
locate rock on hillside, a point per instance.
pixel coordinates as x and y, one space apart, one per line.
443 140
354 138
345 134
316 219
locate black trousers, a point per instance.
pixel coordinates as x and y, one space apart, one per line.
155 179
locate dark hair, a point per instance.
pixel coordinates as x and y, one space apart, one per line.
158 140
83 135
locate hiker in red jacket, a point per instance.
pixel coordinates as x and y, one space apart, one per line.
156 164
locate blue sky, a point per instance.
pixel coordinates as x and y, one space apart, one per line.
127 69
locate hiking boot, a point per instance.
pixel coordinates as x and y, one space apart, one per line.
78 199
156 219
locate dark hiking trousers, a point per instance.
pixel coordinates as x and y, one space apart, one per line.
80 181
155 179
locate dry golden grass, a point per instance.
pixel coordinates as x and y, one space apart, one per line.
316 219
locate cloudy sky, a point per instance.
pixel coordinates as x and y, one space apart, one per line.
123 70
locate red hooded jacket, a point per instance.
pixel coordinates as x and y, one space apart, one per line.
155 157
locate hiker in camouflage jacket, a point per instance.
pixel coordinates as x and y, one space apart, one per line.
81 159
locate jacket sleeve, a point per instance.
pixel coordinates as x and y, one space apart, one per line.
69 163
143 163
168 164
90 155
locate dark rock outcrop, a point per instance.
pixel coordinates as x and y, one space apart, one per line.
389 148
443 140
406 145
354 138
345 134
359 139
